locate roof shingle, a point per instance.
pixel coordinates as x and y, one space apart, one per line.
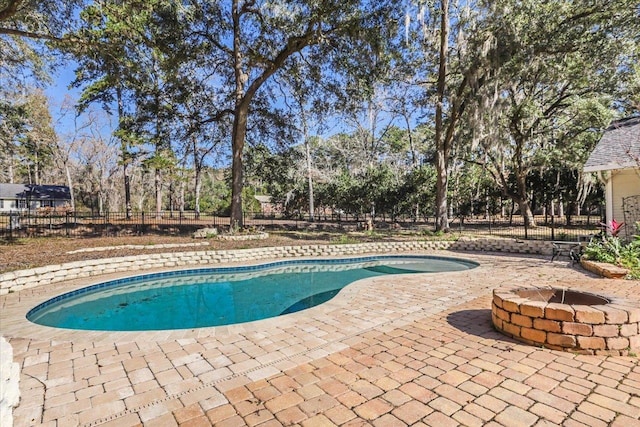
619 147
34 192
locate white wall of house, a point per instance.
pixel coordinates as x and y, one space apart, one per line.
8 205
622 183
13 205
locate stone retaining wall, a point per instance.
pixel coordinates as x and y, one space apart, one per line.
16 281
243 237
605 329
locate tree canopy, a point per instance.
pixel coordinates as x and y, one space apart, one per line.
352 106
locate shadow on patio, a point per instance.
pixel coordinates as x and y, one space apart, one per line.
478 323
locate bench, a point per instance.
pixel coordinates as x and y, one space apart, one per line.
571 249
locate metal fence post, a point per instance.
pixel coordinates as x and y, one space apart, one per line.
553 228
66 224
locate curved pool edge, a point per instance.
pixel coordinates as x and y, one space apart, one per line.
272 267
15 324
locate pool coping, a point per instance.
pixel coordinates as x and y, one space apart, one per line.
222 270
15 324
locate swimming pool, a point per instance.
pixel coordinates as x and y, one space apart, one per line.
198 298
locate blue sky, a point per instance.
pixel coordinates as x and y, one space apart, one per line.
57 91
65 74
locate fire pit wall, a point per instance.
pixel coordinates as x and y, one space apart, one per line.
566 320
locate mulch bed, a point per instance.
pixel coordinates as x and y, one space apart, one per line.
35 252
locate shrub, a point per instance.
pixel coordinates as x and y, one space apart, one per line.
612 250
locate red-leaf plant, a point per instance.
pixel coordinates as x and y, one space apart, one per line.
613 228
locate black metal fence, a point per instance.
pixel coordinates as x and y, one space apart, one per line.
549 228
86 224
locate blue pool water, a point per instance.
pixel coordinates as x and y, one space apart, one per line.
221 296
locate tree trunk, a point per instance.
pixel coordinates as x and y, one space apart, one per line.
181 197
310 180
237 169
239 130
36 174
70 184
442 160
127 189
560 206
442 217
172 201
513 208
486 205
198 179
101 195
521 200
125 158
158 189
525 211
571 208
197 165
309 175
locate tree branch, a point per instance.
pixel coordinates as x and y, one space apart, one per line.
211 119
10 9
29 34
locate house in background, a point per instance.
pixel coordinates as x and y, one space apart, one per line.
267 206
616 160
27 197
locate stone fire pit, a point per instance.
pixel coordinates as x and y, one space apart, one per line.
568 320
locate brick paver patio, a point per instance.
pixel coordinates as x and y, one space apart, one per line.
389 351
